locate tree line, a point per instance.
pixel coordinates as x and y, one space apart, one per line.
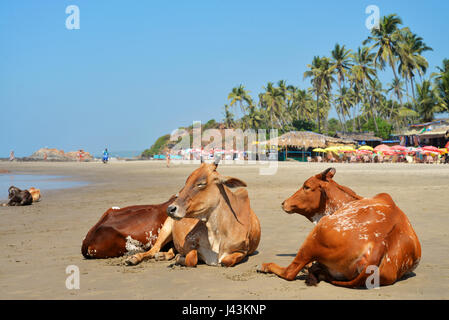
348 80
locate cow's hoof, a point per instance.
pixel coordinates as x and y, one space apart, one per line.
132 261
160 256
264 268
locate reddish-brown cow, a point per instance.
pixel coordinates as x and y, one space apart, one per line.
125 231
352 234
208 222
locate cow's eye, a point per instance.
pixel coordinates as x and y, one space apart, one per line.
306 187
201 185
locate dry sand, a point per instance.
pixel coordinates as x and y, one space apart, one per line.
38 242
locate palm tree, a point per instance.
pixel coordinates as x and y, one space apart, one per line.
271 102
321 74
347 101
363 71
396 88
375 95
341 60
385 40
255 117
240 95
410 49
229 118
427 102
441 80
301 104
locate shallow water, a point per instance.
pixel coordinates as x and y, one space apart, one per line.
42 182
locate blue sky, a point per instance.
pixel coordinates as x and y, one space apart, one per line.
136 70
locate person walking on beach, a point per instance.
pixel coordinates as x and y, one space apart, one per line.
11 156
167 156
105 155
80 155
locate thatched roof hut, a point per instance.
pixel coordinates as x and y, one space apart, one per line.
359 136
307 139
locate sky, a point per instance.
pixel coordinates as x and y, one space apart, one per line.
136 70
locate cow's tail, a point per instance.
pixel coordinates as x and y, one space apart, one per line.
358 281
84 249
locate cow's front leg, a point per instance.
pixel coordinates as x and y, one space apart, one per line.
190 260
161 256
232 259
288 273
164 237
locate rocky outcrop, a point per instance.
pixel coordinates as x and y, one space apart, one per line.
60 155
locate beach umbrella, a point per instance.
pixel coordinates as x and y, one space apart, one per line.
398 147
443 150
366 148
333 149
431 149
364 151
383 148
318 150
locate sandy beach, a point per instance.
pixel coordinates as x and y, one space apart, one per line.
40 241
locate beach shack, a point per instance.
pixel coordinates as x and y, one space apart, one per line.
435 133
362 138
299 145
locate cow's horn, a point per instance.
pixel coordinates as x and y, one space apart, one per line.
201 158
217 161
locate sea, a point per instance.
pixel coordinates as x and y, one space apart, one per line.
120 154
42 182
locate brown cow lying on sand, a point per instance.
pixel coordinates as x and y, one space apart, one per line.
125 231
208 222
18 197
352 233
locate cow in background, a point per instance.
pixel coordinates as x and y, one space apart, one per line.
18 197
35 194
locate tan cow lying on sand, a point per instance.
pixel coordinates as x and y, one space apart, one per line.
35 193
208 222
351 234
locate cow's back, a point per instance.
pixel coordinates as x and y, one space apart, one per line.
120 230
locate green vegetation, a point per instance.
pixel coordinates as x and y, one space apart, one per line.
347 80
157 147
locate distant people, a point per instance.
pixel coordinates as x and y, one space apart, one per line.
45 156
80 155
105 156
167 156
11 156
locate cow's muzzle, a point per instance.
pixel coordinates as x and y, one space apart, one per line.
172 210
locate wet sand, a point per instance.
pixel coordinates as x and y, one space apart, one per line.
38 242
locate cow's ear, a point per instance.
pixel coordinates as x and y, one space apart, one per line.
327 174
231 182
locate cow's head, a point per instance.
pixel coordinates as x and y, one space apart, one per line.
12 191
203 191
310 199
